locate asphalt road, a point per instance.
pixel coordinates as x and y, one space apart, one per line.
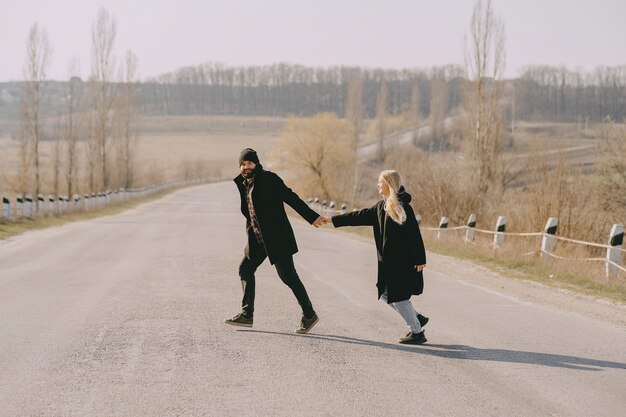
122 316
400 138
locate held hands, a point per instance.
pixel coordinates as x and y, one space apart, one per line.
419 268
320 221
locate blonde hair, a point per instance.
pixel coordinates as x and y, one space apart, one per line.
393 207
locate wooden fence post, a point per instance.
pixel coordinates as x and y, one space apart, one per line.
29 206
6 208
471 228
547 242
613 254
41 207
20 205
443 225
498 238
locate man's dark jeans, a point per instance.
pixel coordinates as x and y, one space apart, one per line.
287 273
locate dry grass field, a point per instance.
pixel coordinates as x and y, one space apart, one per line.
172 147
166 157
168 148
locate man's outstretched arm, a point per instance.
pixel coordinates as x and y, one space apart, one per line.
295 202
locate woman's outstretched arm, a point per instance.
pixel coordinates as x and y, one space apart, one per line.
365 217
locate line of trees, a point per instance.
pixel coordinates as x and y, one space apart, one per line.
93 124
280 89
540 93
560 94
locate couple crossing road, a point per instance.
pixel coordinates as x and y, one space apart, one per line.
399 245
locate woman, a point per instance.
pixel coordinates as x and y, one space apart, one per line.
401 254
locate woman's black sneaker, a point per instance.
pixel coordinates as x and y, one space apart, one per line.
422 319
414 339
240 320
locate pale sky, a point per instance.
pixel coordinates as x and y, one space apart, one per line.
169 34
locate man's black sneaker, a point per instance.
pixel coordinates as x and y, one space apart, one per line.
422 319
307 324
414 339
240 320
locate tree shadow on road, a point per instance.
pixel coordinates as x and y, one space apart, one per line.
463 352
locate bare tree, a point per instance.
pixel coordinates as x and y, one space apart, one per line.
92 149
38 52
317 149
381 115
103 32
72 124
24 180
438 110
57 151
354 113
485 59
354 106
415 110
126 115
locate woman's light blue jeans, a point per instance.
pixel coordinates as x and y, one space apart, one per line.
407 311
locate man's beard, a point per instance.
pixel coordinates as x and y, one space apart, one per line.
248 174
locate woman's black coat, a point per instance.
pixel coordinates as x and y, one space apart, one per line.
268 195
399 247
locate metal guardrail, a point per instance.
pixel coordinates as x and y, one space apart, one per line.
50 205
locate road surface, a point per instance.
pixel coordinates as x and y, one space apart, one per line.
122 315
404 137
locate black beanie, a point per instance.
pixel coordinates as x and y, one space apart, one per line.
248 155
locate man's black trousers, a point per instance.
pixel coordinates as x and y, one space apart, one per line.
287 273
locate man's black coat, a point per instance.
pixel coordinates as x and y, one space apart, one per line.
268 195
399 248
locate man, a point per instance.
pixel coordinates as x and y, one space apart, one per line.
270 235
